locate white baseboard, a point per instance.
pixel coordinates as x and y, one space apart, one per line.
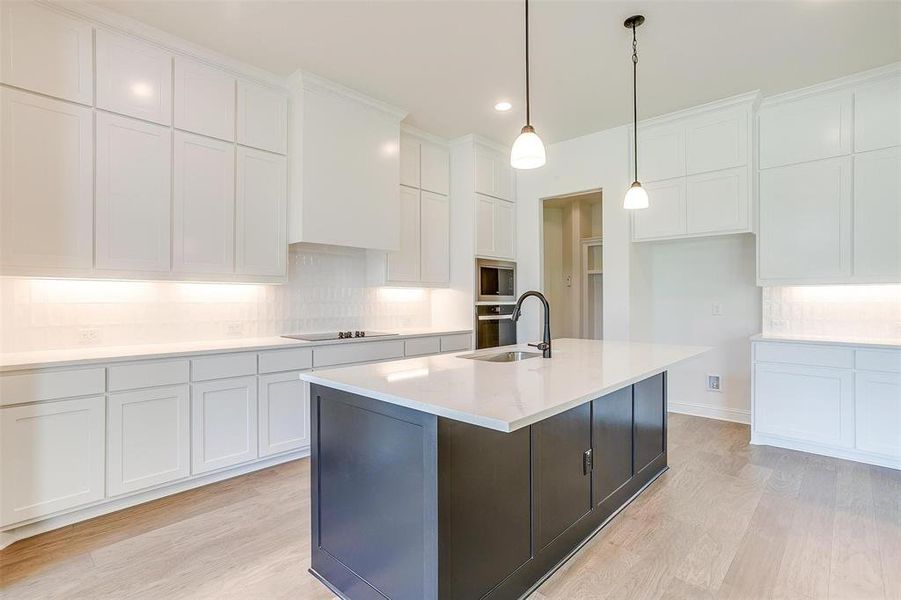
760 439
734 415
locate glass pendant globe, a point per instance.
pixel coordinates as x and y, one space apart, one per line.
528 151
636 197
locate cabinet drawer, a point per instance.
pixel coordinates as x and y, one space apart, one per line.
420 346
327 356
295 359
456 342
878 360
222 366
805 354
148 374
32 387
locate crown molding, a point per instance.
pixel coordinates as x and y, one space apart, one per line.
474 138
422 134
750 99
309 82
835 85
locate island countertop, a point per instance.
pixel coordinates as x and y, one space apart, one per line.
507 396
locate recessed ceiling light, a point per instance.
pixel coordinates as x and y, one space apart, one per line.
503 106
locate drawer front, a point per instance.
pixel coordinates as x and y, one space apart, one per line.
878 360
148 374
32 387
804 354
295 359
222 366
327 356
421 346
456 342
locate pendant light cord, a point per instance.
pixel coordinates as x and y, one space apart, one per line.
635 97
528 106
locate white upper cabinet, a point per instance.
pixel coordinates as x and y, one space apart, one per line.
204 100
409 160
46 51
403 264
484 225
260 199
717 202
877 215
809 128
661 152
204 205
134 78
435 228
665 215
717 141
46 182
262 117
877 115
434 168
494 175
133 196
495 228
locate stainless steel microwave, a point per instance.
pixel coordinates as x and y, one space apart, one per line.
495 280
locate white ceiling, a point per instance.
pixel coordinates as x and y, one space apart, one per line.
448 62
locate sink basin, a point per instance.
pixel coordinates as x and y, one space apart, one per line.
510 356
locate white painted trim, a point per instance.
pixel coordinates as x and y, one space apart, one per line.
423 135
747 98
761 439
849 81
317 84
474 138
733 415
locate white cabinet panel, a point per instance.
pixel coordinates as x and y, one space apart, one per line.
262 117
19 388
877 400
284 413
148 438
204 100
504 229
293 359
204 205
877 215
665 215
805 222
45 51
261 245
133 194
148 373
403 264
493 173
46 182
718 202
434 168
51 457
358 352
409 160
805 403
223 423
435 238
716 141
877 115
484 225
422 346
661 152
807 129
133 78
456 342
220 366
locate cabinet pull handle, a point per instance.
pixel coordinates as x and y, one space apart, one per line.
587 462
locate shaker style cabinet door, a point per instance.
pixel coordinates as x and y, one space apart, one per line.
262 117
877 116
504 229
204 100
661 152
717 202
878 413
261 245
484 225
46 182
877 215
666 213
716 141
284 413
403 264
223 423
493 173
133 78
133 194
409 160
435 168
435 237
807 129
46 51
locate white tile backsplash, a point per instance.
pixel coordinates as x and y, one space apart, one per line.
327 290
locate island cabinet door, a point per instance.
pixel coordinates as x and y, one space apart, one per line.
611 444
650 420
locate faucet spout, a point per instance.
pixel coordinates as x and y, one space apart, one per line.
545 345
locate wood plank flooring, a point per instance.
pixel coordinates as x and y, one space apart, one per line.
728 520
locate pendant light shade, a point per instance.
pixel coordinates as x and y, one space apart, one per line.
528 150
636 197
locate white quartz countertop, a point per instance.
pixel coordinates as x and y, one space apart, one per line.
888 344
507 396
14 361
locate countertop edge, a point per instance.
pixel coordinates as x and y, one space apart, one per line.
884 345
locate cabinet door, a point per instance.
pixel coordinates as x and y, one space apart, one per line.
813 404
665 215
260 211
494 176
46 51
435 238
204 205
716 141
262 117
612 442
434 168
807 129
805 222
51 457
877 116
485 226
133 78
718 202
403 264
504 229
133 194
877 405
649 397
204 100
661 152
46 182
409 160
877 215
148 438
284 414
504 178
223 423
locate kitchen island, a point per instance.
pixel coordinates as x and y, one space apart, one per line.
455 478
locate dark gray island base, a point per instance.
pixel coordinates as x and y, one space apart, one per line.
410 506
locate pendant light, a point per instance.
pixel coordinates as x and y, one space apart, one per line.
636 197
528 151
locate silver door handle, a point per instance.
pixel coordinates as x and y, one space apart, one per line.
494 318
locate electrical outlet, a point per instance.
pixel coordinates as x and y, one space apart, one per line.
90 335
234 329
716 309
714 383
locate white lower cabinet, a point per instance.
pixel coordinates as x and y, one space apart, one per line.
878 412
223 423
284 414
148 438
51 457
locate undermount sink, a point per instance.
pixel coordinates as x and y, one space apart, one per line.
510 356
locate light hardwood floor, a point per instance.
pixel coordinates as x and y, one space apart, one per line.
728 520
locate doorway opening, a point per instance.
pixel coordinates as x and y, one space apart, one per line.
572 264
